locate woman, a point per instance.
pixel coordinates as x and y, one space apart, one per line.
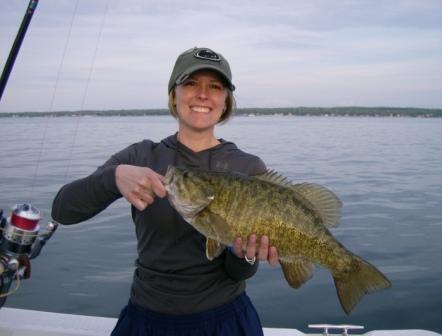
176 290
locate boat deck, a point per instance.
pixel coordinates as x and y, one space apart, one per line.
21 322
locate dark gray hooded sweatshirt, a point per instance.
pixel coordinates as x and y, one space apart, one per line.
172 273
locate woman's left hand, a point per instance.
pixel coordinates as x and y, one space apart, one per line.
263 252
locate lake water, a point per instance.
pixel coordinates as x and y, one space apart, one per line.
387 172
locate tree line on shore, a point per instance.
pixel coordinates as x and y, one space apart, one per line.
296 111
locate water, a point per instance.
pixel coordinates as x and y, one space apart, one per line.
387 171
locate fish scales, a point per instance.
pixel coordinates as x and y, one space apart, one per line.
283 210
296 219
243 200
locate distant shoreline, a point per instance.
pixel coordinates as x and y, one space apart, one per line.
295 111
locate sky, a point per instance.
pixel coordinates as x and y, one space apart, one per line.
118 54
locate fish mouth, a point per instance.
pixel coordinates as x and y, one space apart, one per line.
168 178
169 182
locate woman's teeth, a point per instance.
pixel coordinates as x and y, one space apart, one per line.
200 109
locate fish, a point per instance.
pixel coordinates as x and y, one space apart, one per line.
297 219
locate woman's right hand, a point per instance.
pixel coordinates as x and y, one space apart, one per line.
139 185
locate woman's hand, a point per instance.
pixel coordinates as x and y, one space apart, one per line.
139 185
263 253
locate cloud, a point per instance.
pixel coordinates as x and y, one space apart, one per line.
283 53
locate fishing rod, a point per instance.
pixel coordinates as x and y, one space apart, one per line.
17 44
20 237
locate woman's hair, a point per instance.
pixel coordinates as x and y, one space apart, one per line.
230 106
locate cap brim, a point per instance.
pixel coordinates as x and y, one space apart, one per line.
198 67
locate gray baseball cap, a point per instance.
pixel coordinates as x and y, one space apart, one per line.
198 59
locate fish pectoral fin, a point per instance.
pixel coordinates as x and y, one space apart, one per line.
213 227
213 248
297 272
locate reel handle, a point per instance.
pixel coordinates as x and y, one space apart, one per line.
42 239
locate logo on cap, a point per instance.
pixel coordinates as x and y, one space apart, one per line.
207 54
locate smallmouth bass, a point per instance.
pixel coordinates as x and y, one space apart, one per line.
295 217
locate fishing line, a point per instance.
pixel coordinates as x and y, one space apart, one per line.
51 105
57 79
54 93
88 79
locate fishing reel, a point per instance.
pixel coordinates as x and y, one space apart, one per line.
20 241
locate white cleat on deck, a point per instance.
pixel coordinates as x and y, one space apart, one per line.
340 327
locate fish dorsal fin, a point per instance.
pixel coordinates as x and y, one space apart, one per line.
274 177
324 201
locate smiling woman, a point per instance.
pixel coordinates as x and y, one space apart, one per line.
200 102
176 290
200 96
222 72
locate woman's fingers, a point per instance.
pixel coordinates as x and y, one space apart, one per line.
139 204
251 247
139 185
158 186
237 248
273 258
261 251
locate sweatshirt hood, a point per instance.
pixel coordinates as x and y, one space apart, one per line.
209 159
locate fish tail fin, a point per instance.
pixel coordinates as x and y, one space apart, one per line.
363 279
